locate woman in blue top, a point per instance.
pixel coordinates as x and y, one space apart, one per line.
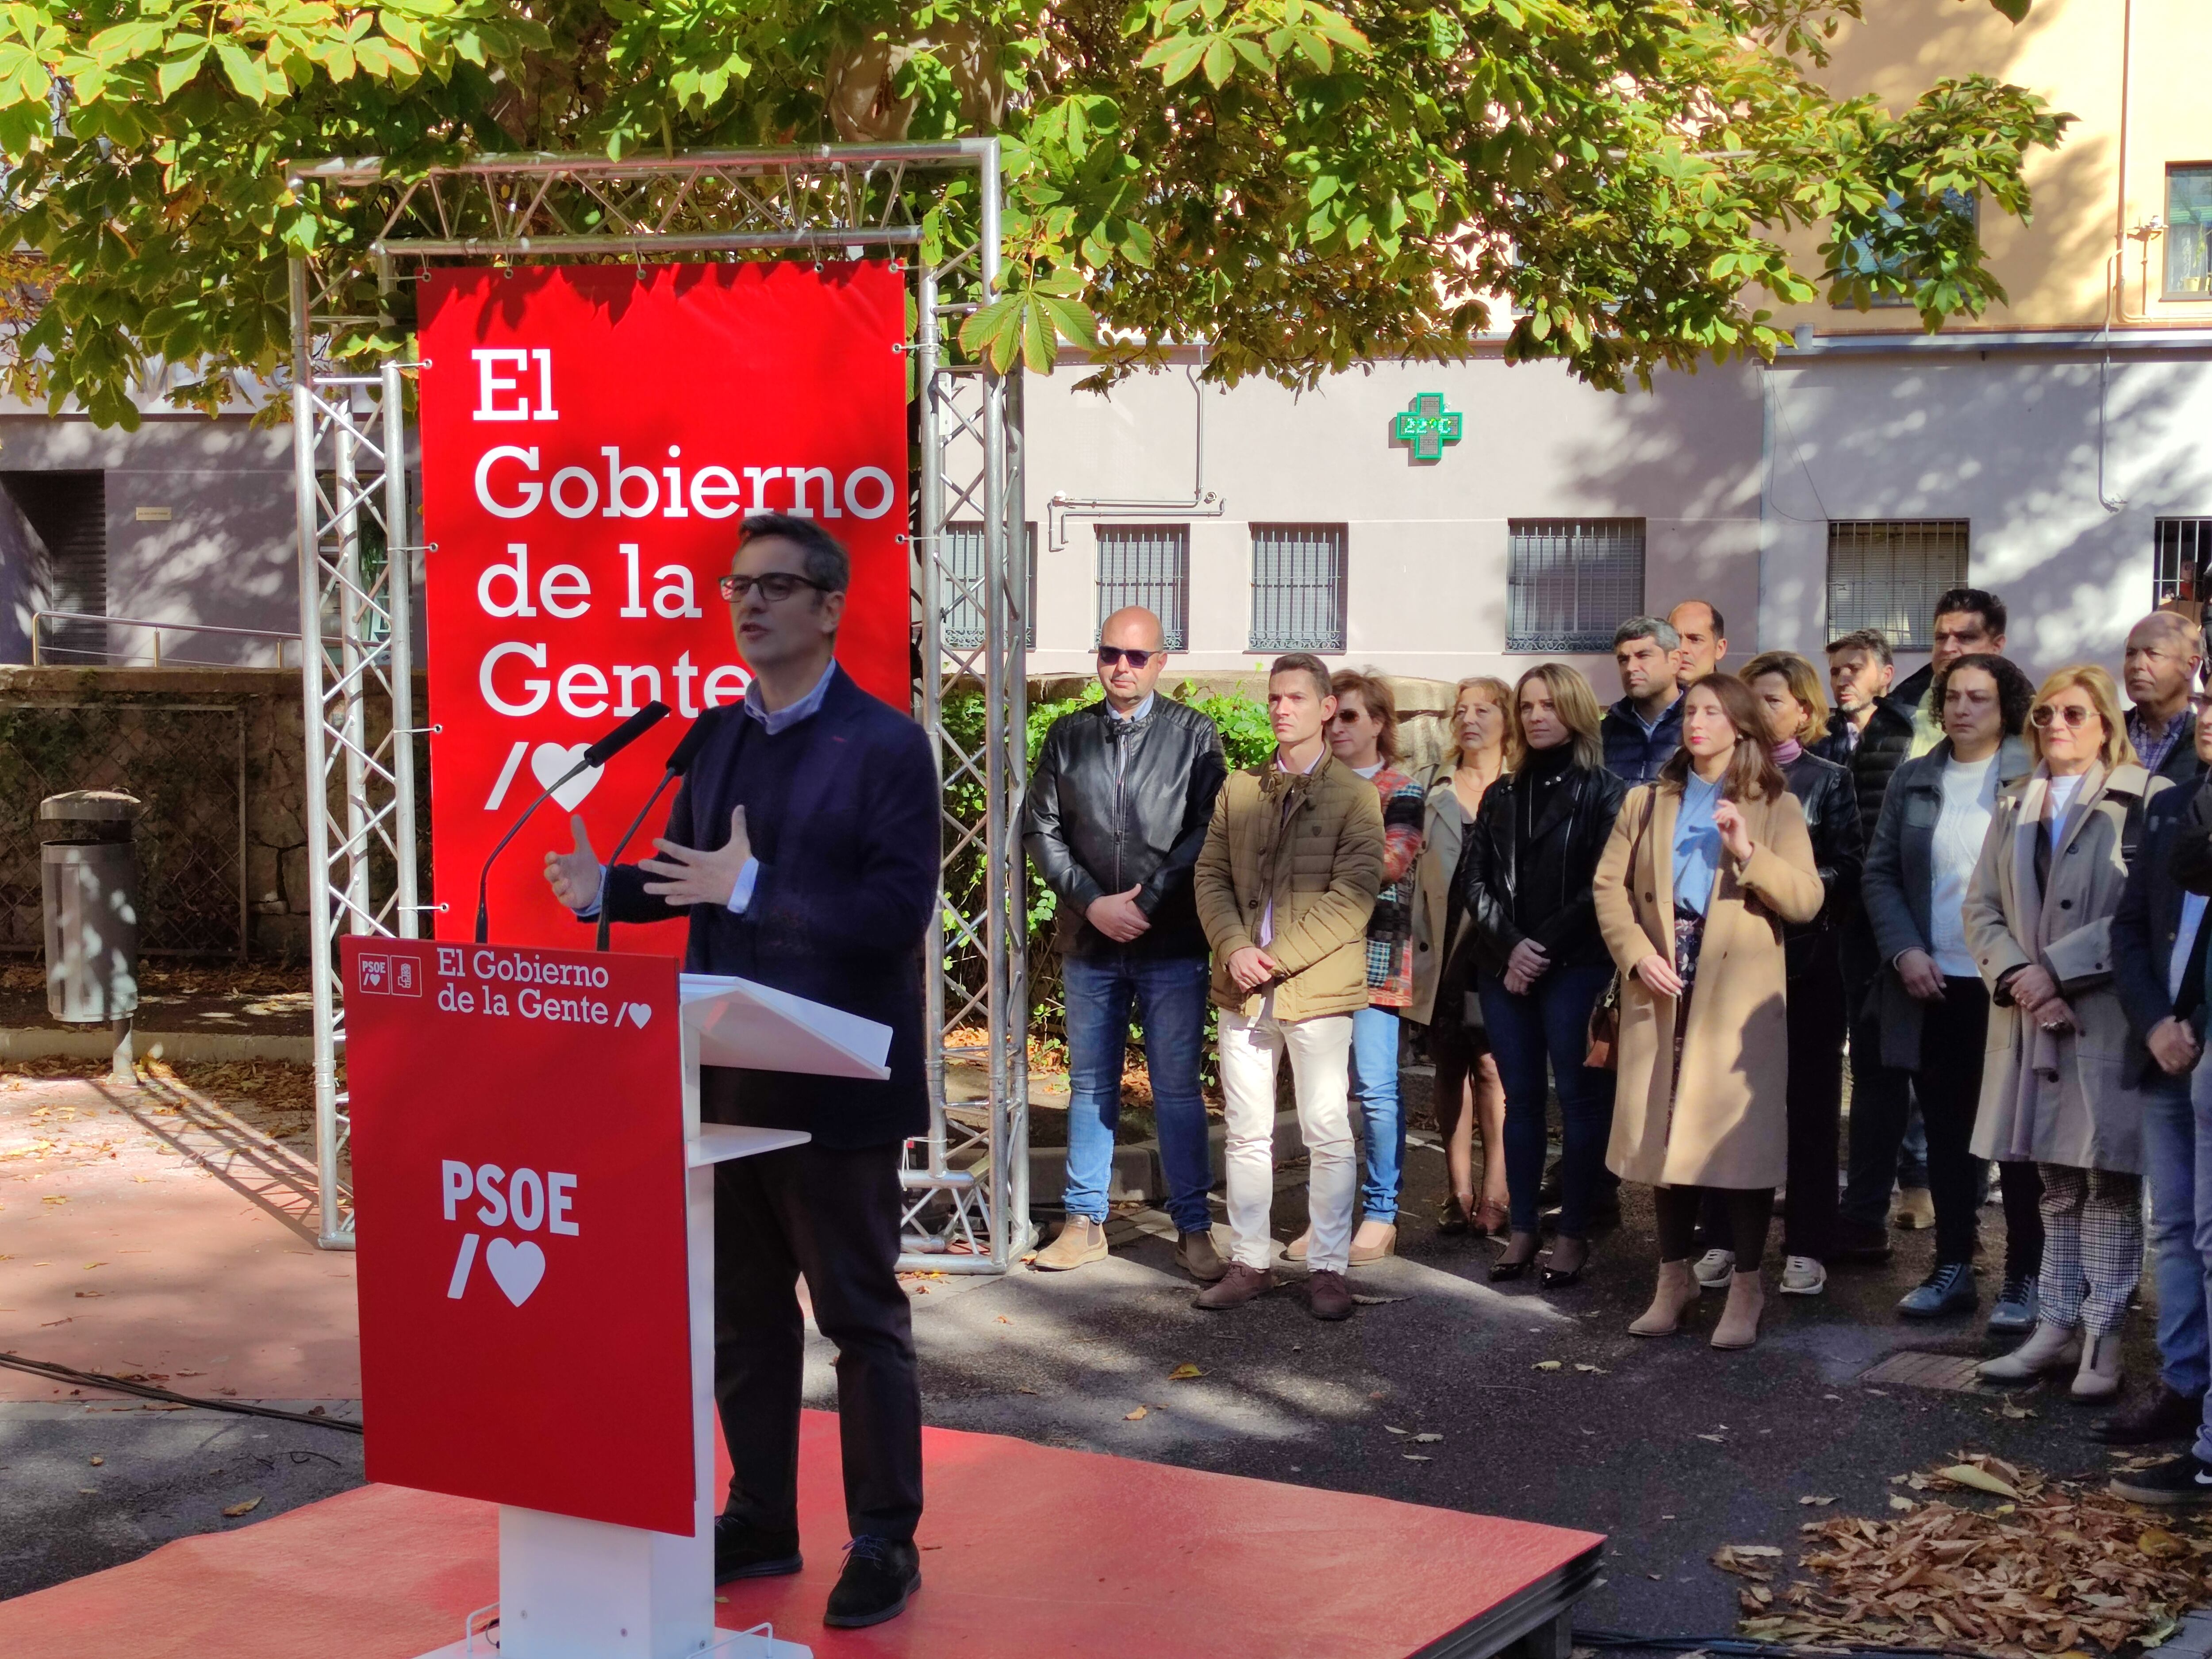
1703 868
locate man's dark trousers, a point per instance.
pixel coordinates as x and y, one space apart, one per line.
833 1216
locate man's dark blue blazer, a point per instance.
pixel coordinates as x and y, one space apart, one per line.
839 913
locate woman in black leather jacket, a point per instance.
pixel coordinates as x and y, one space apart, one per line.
1540 965
1790 694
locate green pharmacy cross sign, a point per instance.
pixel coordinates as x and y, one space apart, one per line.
1428 427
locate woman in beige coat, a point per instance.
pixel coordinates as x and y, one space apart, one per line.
1703 869
2038 915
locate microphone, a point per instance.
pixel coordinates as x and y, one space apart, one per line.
598 754
625 734
679 765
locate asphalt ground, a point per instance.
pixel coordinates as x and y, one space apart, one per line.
1668 1446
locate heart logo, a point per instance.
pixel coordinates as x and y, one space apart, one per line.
639 1013
550 760
516 1268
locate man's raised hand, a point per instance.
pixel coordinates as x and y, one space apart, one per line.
575 875
689 876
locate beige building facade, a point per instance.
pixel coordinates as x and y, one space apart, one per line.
2055 450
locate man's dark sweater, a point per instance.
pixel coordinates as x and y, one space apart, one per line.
841 809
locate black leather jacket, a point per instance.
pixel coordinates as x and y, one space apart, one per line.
1826 793
1546 884
1100 822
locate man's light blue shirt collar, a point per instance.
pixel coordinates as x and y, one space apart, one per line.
777 720
1136 714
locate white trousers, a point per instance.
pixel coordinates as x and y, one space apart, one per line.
1320 1076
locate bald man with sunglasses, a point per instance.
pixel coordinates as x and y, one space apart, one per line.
1118 808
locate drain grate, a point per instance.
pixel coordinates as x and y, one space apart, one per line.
1912 1370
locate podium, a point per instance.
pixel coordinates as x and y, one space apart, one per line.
536 1203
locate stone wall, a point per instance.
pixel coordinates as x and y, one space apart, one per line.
268 705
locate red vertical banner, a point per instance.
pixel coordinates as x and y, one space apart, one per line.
592 436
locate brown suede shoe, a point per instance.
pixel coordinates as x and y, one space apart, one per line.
1328 1295
1081 1241
1238 1285
1195 1256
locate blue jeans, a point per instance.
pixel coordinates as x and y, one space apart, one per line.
1169 995
1550 1024
2171 1142
1383 1119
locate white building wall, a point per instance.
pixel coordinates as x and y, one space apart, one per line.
1425 542
1719 465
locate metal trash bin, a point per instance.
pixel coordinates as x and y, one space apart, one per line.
90 874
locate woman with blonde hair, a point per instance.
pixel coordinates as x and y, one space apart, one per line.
1703 869
1537 959
2039 918
1467 1092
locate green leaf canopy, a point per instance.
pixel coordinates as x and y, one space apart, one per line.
1301 187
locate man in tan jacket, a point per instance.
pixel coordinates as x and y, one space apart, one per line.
1285 885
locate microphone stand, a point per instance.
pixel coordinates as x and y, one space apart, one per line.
606 921
483 876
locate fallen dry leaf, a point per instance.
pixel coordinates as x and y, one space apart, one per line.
1386 1429
246 1508
1184 1373
1717 1439
1416 1457
1599 1370
1135 1416
1970 1474
97 1461
1547 1365
1822 1502
1897 1502
1366 1301
1426 1439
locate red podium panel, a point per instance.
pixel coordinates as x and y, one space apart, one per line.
518 1175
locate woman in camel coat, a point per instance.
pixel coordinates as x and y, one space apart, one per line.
1703 868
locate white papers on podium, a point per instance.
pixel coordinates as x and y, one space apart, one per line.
743 1023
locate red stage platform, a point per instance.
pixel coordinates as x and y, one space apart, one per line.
1029 1552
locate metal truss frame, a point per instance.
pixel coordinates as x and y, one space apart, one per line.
966 1180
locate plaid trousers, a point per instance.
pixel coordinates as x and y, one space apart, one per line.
2093 1232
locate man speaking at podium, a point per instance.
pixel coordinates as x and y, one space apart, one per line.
802 847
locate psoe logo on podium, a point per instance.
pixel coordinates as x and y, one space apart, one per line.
385 974
518 1178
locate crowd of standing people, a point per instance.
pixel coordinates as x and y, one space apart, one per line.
1674 917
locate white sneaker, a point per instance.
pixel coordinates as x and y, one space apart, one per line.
1714 1269
1802 1276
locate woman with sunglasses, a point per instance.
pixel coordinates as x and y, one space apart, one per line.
2038 915
1703 869
1540 964
1468 1093
1363 735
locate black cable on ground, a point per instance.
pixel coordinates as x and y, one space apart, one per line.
1738 1647
55 1373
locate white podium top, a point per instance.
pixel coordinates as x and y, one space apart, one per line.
741 1023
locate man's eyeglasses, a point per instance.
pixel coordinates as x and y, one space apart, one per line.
775 587
2072 713
1110 654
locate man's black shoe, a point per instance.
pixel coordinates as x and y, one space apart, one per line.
2185 1479
2162 1414
744 1551
1857 1241
880 1575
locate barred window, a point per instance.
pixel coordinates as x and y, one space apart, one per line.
964 619
2180 549
1886 575
1569 582
1297 587
1147 564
